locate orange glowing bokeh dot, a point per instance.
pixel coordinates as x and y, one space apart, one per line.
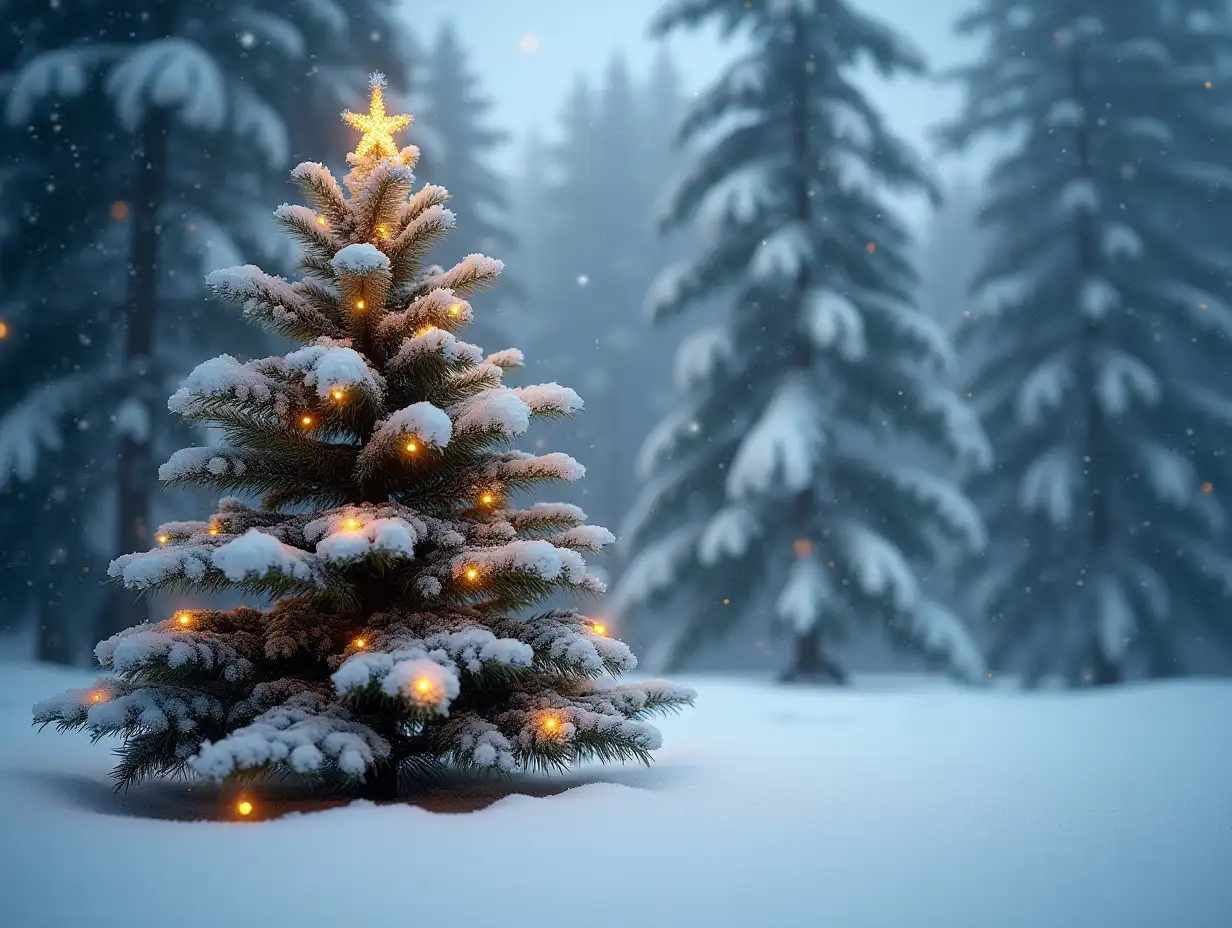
4 329
1208 487
118 211
244 807
802 546
599 629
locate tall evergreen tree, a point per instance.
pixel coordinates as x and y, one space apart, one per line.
387 530
780 486
1101 321
173 94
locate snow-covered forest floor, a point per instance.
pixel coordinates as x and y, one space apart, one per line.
896 803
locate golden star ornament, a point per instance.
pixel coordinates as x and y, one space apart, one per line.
378 128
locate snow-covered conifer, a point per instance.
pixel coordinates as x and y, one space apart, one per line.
389 532
781 487
1100 325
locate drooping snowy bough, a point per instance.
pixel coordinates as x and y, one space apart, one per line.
386 530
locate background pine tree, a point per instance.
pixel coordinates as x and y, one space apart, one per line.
781 485
132 131
389 530
1101 329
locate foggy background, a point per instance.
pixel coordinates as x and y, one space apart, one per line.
560 175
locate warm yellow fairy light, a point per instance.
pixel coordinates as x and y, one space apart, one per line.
352 524
378 128
550 724
423 684
360 644
307 420
4 329
320 220
244 807
360 304
98 696
455 309
213 529
472 573
486 499
599 629
338 394
381 230
412 447
184 618
162 539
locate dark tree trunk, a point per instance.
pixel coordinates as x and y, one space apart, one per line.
1106 672
134 465
810 664
1096 436
53 644
380 784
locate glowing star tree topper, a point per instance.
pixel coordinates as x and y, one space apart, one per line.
378 128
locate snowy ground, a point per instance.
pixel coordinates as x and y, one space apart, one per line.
895 805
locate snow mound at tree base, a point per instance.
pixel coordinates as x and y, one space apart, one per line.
899 803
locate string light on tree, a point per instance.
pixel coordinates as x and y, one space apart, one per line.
360 304
244 807
338 394
306 421
360 644
162 539
321 220
98 696
184 618
472 574
599 629
412 447
352 524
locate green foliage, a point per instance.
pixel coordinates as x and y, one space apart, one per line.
387 533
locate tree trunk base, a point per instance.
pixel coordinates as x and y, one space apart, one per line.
810 663
380 784
1105 672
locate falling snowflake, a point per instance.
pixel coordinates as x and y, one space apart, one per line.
582 280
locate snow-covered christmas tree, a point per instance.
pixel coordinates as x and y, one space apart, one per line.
792 482
388 531
1098 333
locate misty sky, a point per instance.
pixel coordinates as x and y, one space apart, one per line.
529 51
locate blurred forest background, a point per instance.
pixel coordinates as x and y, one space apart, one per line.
147 142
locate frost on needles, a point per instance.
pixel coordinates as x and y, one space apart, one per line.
384 520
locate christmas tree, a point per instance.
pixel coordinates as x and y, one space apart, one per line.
387 532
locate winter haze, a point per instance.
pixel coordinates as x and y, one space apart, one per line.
791 442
